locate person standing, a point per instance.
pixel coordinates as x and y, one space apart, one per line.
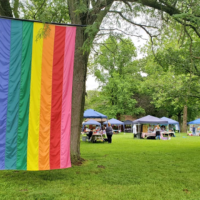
193 130
90 134
157 131
109 133
134 129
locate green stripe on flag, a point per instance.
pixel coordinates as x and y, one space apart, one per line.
24 95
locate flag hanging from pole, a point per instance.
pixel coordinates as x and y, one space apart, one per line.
36 75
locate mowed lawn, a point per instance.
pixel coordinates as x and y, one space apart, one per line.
126 169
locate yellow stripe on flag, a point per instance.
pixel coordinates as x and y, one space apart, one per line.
34 108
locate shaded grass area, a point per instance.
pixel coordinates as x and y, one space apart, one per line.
126 169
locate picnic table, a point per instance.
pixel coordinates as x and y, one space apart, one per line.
148 134
162 134
97 137
168 133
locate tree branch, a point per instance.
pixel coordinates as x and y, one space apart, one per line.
136 24
156 5
196 57
167 8
127 3
185 24
116 29
39 9
141 25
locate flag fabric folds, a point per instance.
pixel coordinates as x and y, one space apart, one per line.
36 74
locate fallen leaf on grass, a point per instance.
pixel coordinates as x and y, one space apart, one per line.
23 190
186 191
101 166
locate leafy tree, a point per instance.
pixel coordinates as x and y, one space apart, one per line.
117 97
113 66
145 101
92 99
113 56
170 90
46 10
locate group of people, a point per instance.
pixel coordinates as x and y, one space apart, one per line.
162 128
109 133
159 129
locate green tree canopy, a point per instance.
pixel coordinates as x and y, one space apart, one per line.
113 65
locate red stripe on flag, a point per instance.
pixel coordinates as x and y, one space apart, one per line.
56 105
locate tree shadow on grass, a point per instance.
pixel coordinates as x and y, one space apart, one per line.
33 176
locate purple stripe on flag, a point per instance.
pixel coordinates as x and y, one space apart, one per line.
4 79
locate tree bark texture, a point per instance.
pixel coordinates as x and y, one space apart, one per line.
184 129
78 95
15 8
5 8
180 121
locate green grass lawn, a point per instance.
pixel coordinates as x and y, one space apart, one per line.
126 169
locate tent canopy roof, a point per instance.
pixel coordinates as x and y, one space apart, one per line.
196 121
90 113
91 122
150 120
170 121
128 122
114 121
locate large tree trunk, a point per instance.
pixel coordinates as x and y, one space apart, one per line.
184 128
180 122
78 95
79 79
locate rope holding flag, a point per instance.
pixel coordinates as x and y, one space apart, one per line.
36 75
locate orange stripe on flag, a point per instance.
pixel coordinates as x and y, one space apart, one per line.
46 91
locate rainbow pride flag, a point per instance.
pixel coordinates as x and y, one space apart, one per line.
36 77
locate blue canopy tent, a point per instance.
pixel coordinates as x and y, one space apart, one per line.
147 120
196 121
196 124
128 122
90 113
114 122
171 121
91 122
150 120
